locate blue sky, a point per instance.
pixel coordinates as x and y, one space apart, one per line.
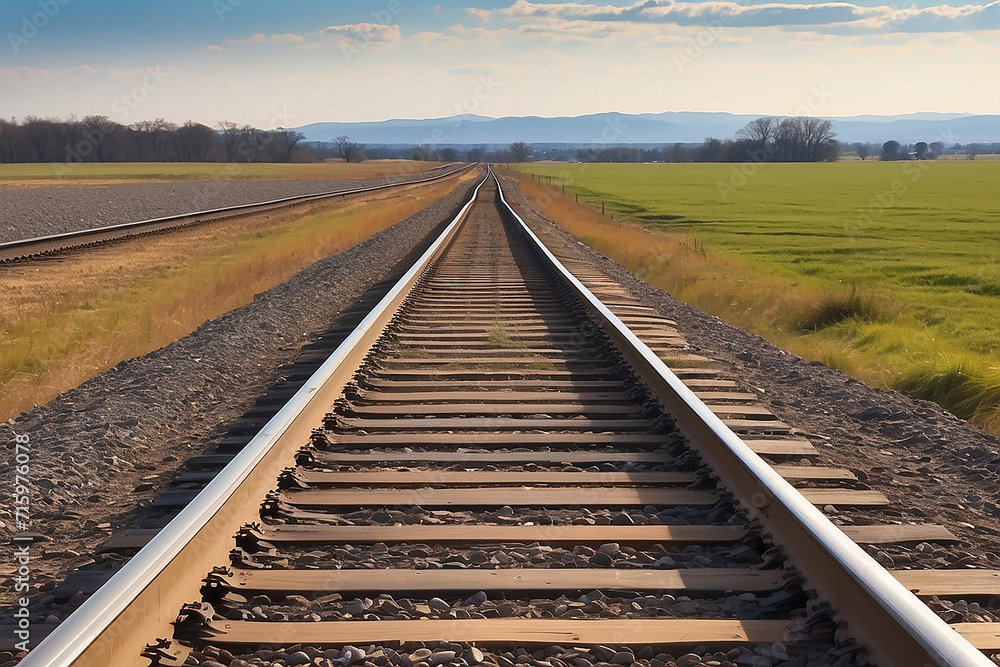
293 62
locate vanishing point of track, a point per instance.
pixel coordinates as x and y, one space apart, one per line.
494 461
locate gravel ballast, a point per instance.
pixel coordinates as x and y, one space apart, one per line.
32 212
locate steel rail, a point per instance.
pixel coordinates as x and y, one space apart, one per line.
41 245
894 624
142 599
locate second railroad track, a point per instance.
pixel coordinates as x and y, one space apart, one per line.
25 249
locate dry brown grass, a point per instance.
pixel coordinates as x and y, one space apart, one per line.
67 319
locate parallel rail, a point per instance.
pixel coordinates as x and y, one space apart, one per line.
43 245
505 364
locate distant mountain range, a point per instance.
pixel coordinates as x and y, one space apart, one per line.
663 128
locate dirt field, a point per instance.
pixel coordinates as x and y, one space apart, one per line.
105 173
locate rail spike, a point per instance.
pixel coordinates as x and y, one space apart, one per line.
271 505
242 559
195 620
165 653
343 406
218 590
290 478
306 456
337 422
251 539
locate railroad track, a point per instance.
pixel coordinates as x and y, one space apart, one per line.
494 469
35 247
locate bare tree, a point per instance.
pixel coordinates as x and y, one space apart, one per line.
890 150
39 134
344 145
520 151
138 136
676 153
818 138
287 140
804 139
194 141
421 153
476 154
357 153
711 150
159 132
8 139
100 133
760 132
251 143
230 134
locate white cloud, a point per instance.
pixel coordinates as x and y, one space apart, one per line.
847 17
365 33
79 73
482 14
354 33
286 38
436 39
260 38
555 31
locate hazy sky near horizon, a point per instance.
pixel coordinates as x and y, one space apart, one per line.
288 63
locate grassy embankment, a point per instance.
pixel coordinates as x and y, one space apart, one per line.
63 322
887 271
34 175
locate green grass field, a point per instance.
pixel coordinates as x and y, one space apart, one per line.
204 171
888 271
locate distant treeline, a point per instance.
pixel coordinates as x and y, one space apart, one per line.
766 139
769 139
892 150
100 139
